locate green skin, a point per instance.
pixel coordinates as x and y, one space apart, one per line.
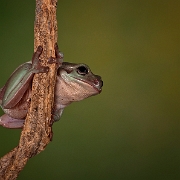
74 82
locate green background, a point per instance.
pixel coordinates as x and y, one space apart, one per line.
131 130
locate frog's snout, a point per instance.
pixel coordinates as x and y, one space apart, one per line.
98 82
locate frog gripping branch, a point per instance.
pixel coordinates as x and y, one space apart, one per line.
74 82
39 90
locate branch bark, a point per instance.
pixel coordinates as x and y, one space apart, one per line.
37 131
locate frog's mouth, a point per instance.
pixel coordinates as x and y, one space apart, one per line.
95 83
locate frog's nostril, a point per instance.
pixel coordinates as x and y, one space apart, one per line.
99 80
98 83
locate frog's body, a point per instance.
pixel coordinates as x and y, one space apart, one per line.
74 82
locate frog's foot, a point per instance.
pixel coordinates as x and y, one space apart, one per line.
9 122
36 66
59 56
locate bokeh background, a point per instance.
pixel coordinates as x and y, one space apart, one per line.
131 131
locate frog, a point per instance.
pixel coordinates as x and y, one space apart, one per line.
74 82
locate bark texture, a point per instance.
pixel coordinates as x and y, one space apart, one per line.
37 131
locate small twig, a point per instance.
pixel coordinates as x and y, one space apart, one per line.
37 131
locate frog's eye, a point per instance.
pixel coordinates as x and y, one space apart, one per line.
82 70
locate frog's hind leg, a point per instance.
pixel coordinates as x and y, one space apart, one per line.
9 122
20 81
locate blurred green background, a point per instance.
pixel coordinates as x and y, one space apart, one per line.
131 131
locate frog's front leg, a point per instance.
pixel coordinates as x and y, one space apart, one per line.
57 114
21 80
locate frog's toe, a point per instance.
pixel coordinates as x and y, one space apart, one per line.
59 54
9 122
37 54
43 69
52 60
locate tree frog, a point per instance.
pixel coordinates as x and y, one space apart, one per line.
74 82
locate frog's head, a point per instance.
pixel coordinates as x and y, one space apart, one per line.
76 82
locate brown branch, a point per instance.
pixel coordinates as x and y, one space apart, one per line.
37 131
